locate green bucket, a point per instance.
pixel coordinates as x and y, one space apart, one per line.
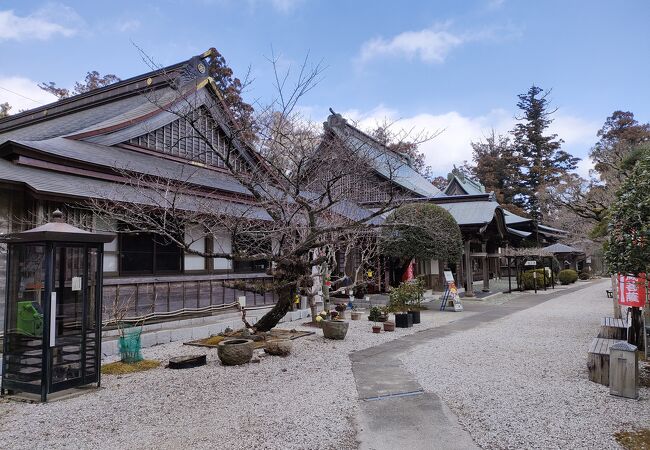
130 346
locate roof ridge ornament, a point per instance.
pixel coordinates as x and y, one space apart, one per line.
57 216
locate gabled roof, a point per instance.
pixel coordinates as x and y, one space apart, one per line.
459 183
386 162
562 248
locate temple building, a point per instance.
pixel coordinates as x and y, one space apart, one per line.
86 147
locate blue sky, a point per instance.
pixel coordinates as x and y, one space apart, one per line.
452 65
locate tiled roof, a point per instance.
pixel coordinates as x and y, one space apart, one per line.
385 161
562 248
73 186
123 159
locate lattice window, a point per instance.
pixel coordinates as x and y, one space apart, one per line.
195 137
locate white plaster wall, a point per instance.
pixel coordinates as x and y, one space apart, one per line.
222 244
195 234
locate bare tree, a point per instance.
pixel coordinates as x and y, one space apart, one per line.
299 184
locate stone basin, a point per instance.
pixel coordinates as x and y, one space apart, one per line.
233 352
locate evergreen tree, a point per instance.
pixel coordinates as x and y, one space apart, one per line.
619 136
497 167
543 161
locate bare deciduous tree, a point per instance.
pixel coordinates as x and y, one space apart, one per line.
299 184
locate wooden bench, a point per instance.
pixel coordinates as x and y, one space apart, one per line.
598 360
611 328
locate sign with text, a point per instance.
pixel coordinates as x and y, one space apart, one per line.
631 290
453 291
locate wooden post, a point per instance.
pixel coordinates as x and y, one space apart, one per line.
617 307
486 269
469 276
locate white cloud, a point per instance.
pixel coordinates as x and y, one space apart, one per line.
585 165
23 93
431 45
283 6
128 25
51 20
452 146
495 4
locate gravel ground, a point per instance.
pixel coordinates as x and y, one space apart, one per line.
521 382
306 400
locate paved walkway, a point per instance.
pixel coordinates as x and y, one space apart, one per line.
395 410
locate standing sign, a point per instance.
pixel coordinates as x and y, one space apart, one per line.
631 290
451 293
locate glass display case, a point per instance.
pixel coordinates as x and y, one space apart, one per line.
53 309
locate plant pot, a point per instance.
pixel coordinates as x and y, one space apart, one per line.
376 329
403 320
233 352
356 315
335 329
415 316
389 325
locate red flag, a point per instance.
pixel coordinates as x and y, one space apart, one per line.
631 290
408 273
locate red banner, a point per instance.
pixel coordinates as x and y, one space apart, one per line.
631 290
409 272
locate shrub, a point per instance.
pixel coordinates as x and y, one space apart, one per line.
375 313
422 230
568 276
527 280
584 275
407 296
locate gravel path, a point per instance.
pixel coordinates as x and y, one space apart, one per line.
306 400
521 381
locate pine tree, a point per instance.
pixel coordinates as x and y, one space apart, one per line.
543 161
497 167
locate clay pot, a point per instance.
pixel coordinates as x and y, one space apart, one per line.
335 329
279 347
389 325
376 329
233 352
356 315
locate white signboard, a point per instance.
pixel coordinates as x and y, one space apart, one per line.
76 283
453 291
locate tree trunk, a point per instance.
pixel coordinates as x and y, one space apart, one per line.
281 308
286 274
635 332
617 307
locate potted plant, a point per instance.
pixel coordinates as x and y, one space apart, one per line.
389 325
356 314
376 328
377 314
340 309
335 329
398 304
415 291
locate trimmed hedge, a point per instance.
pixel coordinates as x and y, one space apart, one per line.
568 276
528 281
584 276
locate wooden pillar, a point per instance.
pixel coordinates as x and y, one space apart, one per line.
469 276
486 269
